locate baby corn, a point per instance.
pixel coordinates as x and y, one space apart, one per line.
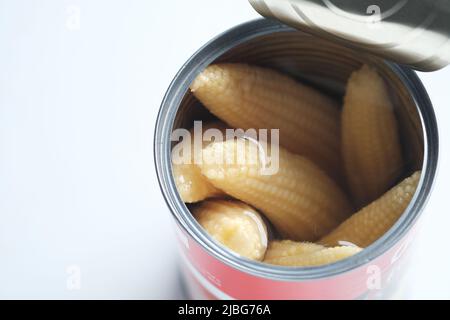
370 141
287 248
191 184
371 222
301 254
235 225
300 200
253 97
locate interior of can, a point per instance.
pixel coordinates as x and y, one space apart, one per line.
326 66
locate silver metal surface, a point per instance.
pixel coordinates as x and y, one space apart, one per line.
412 32
327 66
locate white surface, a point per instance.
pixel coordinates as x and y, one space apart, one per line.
77 180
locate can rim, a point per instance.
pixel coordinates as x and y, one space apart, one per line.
162 147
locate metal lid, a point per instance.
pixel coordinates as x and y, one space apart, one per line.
411 32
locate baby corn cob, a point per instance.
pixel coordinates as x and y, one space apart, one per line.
191 184
287 248
253 97
304 254
301 201
370 141
235 225
371 222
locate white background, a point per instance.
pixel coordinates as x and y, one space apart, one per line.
77 180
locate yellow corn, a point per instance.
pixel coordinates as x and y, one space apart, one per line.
371 222
287 248
304 254
191 184
300 200
370 141
253 97
235 225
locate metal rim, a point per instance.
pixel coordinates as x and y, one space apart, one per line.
169 106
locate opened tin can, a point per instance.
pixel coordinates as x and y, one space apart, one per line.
213 272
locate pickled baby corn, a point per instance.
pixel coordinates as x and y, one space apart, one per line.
371 222
236 225
370 141
287 248
253 97
191 184
300 200
304 254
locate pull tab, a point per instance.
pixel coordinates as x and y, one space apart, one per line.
375 11
410 32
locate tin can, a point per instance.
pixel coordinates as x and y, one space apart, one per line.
213 272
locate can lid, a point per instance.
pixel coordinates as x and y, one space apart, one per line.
414 33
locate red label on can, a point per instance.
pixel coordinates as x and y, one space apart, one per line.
213 278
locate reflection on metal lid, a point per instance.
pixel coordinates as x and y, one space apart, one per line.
411 32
